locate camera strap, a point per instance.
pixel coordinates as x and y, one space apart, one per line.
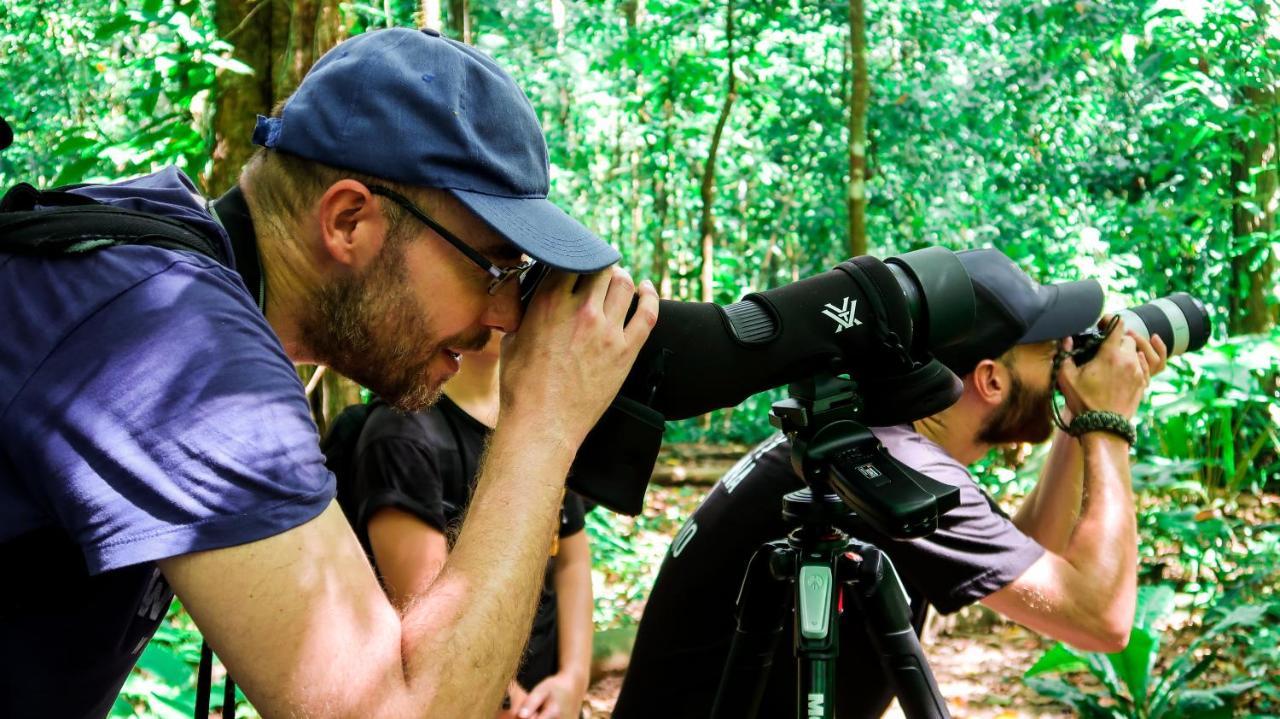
1061 356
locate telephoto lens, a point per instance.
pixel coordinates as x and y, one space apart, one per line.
1179 319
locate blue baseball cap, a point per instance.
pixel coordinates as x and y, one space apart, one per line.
420 109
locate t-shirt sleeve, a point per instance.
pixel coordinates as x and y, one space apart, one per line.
572 515
401 474
976 549
170 421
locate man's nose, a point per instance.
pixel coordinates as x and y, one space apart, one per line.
505 310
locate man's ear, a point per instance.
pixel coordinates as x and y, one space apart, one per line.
352 228
990 381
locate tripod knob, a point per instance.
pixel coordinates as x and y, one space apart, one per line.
801 508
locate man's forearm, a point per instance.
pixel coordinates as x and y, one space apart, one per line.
1049 513
478 611
1103 545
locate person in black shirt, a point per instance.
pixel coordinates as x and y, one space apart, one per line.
414 476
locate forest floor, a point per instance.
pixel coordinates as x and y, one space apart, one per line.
978 661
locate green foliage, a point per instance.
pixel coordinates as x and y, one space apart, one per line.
626 552
1214 415
104 90
1131 683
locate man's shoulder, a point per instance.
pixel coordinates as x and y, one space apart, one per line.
920 453
106 296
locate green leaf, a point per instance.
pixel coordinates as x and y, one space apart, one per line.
1060 658
75 171
1133 665
122 708
230 64
1086 705
181 707
1154 603
159 660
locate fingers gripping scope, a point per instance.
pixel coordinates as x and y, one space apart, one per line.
876 322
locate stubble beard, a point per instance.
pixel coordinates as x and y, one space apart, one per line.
1024 416
370 328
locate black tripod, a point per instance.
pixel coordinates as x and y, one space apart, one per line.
846 470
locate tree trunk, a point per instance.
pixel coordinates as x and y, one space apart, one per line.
1254 216
280 41
460 20
707 225
302 33
858 99
1254 213
240 98
431 14
662 190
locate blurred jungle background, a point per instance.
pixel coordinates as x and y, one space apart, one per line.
727 146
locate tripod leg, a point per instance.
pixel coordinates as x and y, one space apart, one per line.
878 593
762 607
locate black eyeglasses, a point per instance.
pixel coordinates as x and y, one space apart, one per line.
498 275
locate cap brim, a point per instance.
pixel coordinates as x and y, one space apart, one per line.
1070 308
542 230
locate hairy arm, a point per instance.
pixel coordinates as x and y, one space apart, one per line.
302 624
299 617
1049 513
1085 594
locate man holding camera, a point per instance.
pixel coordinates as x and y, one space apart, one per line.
155 434
1064 565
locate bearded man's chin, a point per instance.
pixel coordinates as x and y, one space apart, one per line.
415 396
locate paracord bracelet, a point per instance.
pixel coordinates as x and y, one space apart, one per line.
1103 421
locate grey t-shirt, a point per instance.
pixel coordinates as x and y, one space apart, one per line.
976 549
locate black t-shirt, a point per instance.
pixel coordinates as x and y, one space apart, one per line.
425 463
688 622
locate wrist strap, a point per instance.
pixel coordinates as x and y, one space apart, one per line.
1103 421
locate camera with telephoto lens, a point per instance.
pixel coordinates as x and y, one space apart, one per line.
1181 320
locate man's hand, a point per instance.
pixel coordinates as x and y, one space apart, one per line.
556 697
1116 378
573 349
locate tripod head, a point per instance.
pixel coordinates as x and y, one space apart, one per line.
846 471
835 454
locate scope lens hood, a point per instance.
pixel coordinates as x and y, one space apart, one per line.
944 296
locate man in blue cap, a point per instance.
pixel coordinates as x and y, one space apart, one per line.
154 434
1065 564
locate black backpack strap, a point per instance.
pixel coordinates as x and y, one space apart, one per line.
74 223
204 687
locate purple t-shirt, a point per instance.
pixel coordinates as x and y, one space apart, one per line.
147 410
